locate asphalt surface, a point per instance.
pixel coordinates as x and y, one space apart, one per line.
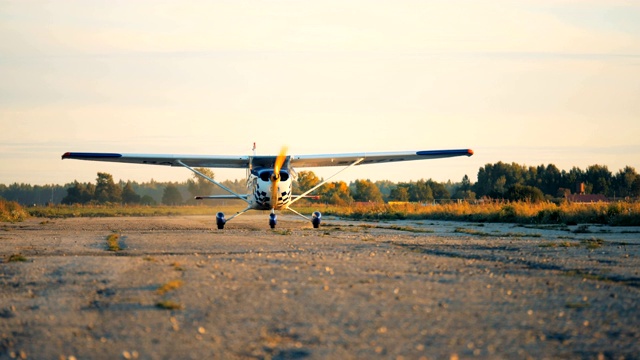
349 290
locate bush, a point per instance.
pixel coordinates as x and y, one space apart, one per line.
524 193
11 211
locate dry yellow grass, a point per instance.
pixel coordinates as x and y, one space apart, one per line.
112 242
11 211
617 213
171 285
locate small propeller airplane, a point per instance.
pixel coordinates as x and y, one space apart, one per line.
269 178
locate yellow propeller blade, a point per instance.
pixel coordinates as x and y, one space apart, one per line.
275 178
280 161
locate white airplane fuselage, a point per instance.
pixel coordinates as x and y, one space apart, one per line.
260 183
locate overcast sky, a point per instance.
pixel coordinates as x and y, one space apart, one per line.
532 82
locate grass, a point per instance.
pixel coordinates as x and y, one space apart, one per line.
577 305
70 211
171 285
618 213
112 242
482 233
582 229
590 244
562 244
593 243
284 232
176 266
169 305
391 227
17 258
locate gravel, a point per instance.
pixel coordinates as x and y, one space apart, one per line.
179 288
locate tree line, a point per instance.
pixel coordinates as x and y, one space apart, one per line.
106 191
495 181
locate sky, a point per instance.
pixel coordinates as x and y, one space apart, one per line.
531 82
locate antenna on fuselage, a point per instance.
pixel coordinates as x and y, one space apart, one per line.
250 167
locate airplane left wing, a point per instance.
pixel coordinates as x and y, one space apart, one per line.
374 157
217 161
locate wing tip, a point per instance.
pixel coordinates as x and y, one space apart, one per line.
89 156
469 152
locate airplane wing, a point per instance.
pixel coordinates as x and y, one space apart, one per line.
374 157
217 161
242 161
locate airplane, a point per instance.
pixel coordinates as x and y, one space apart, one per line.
269 178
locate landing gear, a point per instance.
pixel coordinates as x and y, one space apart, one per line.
220 220
273 219
315 219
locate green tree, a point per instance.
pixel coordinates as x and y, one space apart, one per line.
624 182
367 191
599 177
549 179
336 193
385 187
306 180
106 190
399 193
465 184
79 193
420 191
438 190
171 195
524 193
129 196
147 200
199 185
464 190
572 178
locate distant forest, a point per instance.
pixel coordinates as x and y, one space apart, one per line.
495 181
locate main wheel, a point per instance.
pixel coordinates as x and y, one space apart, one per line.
316 218
220 220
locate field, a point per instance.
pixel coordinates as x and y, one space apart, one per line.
173 287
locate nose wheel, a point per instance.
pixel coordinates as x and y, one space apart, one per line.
273 220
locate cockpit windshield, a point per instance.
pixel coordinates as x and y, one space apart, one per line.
265 175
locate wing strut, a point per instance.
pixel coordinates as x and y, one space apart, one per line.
240 213
326 180
297 213
241 197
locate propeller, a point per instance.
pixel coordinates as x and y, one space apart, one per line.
275 177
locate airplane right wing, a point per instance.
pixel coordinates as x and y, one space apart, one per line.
374 157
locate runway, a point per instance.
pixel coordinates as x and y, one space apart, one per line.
179 288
